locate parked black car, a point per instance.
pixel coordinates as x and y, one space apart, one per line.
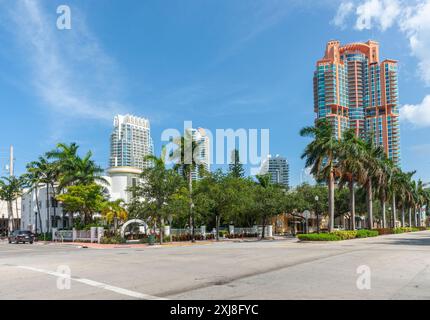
23 236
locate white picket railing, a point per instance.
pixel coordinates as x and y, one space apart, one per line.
93 235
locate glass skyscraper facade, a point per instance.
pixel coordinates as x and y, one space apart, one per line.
353 89
278 168
131 142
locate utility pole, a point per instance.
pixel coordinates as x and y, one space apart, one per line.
11 160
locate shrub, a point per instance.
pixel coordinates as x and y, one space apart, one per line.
422 228
364 233
47 236
223 233
319 237
113 240
345 235
242 235
382 231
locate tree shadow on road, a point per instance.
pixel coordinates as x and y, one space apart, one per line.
420 240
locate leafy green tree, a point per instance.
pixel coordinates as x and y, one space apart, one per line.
269 200
152 195
223 197
83 199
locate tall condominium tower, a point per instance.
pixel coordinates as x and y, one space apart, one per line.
130 142
353 89
278 169
203 153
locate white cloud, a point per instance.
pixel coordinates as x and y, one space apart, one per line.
416 25
381 12
413 19
70 72
418 114
344 10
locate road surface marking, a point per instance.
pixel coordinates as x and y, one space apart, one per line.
96 284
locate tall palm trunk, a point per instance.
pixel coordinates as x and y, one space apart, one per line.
10 216
331 201
38 210
54 206
352 203
190 188
394 210
370 203
410 216
383 207
403 216
17 214
415 217
48 211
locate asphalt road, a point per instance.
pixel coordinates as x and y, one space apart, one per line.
394 267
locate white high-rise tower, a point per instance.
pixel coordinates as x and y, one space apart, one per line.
130 142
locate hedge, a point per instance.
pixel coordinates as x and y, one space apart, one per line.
346 235
318 237
364 233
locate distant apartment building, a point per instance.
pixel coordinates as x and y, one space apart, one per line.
131 142
202 152
278 168
353 89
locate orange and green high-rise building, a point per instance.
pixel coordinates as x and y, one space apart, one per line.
353 89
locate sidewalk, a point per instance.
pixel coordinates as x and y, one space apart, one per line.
127 245
157 245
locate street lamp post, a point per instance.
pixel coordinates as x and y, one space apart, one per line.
316 213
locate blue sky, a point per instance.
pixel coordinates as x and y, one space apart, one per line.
219 63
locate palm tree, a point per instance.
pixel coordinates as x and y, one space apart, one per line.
383 176
48 174
186 156
10 190
113 211
404 195
74 169
396 188
420 201
372 154
350 165
33 179
321 155
64 153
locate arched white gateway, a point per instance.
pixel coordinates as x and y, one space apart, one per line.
125 225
